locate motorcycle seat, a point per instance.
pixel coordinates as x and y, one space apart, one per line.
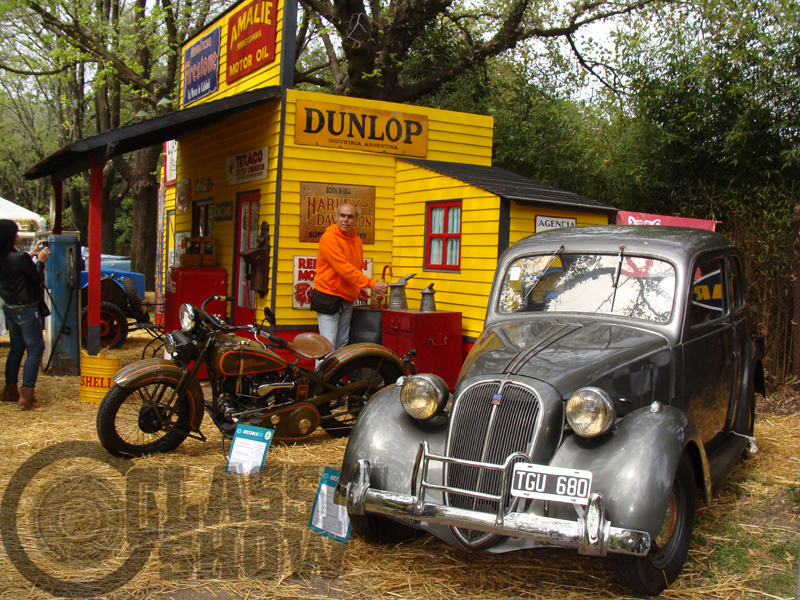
310 346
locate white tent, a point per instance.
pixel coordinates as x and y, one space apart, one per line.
27 220
29 224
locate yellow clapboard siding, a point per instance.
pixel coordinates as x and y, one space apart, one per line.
467 289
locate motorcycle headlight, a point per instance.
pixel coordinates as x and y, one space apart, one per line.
188 317
590 412
424 396
169 344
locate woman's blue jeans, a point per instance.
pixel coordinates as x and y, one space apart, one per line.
25 329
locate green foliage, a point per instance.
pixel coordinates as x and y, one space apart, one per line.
124 226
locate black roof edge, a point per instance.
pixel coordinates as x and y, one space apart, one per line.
500 182
77 156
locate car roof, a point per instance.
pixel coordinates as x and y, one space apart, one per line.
679 243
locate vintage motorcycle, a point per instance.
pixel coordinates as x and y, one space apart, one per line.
155 404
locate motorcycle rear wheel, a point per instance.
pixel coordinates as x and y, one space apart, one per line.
128 425
339 415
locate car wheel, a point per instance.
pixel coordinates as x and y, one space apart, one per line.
653 573
380 530
113 326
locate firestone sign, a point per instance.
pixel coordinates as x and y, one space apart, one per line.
201 68
251 38
358 128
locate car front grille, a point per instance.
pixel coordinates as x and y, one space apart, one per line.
490 421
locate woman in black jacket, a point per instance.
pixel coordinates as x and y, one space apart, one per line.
22 289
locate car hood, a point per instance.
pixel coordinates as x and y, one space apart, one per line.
565 354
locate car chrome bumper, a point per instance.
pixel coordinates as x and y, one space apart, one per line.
590 534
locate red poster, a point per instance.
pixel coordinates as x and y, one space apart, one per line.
634 218
251 38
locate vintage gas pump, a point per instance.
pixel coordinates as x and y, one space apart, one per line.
62 353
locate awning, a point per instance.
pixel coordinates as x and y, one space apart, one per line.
77 156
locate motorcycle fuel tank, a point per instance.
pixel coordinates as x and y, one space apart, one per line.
232 355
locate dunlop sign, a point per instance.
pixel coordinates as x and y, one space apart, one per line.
357 128
319 203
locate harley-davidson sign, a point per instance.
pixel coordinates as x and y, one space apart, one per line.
320 201
251 38
358 128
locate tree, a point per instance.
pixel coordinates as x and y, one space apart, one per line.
370 50
107 59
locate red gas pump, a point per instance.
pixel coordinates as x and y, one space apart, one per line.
193 285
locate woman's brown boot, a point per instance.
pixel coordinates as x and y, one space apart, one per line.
28 400
10 393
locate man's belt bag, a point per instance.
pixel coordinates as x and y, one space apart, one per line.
326 303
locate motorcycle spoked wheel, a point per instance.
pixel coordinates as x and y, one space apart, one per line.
369 374
127 422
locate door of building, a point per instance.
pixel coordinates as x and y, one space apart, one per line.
247 206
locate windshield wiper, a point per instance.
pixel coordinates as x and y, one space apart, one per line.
541 273
617 272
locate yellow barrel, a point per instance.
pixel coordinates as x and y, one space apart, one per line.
97 376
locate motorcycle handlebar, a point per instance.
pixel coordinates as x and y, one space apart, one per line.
216 321
274 339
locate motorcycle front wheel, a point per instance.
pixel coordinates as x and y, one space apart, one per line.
364 376
130 421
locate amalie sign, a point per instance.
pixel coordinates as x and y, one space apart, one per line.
357 128
251 38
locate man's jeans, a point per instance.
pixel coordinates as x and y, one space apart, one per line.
25 329
336 327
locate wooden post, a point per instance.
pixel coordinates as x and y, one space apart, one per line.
95 247
56 207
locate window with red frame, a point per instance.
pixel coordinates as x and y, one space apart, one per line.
203 218
443 236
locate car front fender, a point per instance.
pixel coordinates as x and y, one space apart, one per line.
389 439
634 466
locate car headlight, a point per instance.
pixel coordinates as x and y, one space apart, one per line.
590 412
424 396
188 317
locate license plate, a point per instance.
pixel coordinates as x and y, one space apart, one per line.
542 482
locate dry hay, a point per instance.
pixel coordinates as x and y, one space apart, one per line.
176 526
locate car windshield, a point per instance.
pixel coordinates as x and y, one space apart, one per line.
610 284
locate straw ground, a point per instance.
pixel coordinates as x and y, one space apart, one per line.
76 522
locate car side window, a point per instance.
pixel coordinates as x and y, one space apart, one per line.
707 300
737 283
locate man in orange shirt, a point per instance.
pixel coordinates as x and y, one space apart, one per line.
339 279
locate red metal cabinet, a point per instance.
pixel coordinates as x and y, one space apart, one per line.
436 336
193 285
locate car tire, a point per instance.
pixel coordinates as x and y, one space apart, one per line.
653 573
380 530
113 326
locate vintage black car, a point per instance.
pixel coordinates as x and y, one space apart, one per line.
614 382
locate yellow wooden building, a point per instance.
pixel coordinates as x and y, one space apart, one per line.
430 201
